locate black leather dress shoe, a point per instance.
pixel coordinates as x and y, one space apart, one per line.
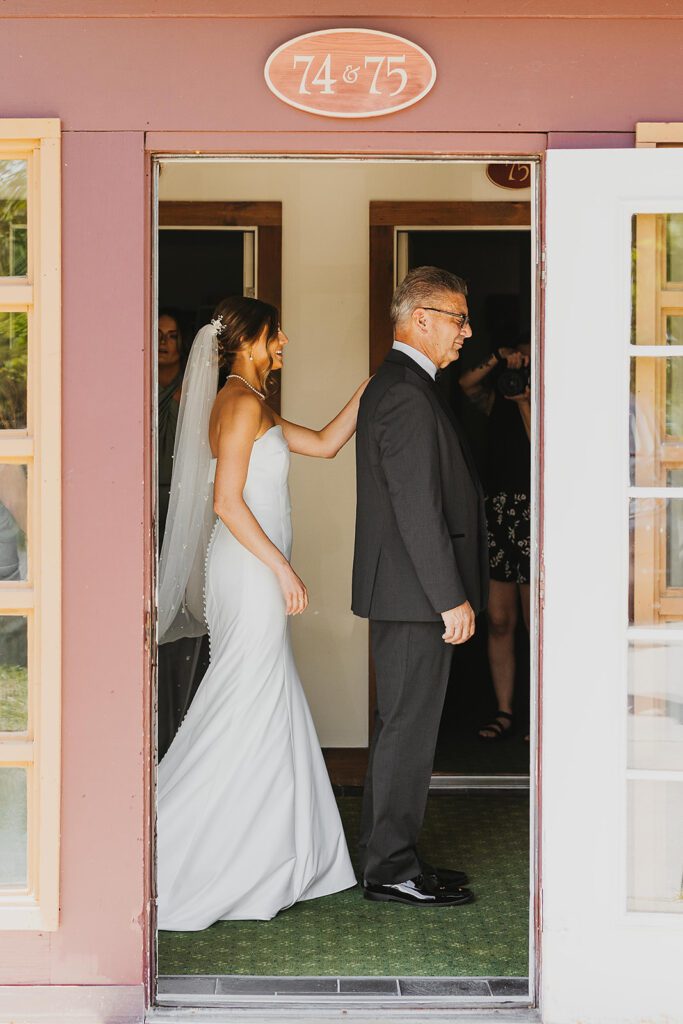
447 876
421 891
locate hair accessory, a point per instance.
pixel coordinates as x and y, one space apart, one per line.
217 324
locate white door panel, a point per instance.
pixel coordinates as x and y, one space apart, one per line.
602 961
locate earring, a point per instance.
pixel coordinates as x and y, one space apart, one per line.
251 354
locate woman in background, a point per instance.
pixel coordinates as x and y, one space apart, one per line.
508 482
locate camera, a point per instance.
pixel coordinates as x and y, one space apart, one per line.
513 382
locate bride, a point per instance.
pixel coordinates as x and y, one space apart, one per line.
247 821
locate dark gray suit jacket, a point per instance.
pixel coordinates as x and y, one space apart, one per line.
421 539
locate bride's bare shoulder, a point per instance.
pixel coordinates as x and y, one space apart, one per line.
236 408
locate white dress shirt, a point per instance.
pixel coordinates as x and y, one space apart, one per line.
419 357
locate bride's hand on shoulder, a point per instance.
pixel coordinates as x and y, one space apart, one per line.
293 589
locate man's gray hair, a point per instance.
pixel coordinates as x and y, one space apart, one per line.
424 286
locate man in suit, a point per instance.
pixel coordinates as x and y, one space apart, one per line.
420 575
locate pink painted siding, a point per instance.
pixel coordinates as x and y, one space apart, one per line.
102 878
525 69
529 75
607 9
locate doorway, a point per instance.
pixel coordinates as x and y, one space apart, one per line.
326 305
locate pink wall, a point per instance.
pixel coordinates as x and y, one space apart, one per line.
100 938
533 75
111 79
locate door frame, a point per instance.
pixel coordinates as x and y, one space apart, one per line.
522 148
264 217
387 218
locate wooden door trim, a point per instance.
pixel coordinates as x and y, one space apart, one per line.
442 213
385 217
264 215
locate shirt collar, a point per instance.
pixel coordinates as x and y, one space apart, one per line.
419 357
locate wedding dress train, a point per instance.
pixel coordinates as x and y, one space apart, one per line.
247 821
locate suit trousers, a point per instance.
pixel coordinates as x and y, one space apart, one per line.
412 663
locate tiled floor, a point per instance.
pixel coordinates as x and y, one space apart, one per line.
214 988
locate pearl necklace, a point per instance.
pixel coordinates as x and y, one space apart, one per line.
245 381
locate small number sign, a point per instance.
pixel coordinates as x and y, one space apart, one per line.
350 73
513 176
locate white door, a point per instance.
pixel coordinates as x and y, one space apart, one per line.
612 707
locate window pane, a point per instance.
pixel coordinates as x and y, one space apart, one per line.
656 427
13 674
674 247
674 330
655 846
13 521
656 278
13 827
655 704
13 192
656 535
13 367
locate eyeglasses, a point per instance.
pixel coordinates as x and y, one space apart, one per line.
462 318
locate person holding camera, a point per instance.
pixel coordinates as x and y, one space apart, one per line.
499 387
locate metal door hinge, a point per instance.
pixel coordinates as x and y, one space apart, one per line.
542 263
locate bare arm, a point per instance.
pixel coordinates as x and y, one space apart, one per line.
472 381
325 443
238 425
524 406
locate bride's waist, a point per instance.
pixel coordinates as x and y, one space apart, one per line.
270 508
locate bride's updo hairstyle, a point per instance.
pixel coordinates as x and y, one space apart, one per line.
243 322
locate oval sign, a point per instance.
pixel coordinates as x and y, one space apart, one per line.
509 175
350 72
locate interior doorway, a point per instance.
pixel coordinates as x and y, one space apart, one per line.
328 301
493 241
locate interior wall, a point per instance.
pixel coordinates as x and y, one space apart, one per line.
325 315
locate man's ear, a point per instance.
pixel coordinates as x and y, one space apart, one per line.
419 318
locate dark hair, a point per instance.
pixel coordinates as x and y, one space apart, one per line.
243 321
422 286
183 321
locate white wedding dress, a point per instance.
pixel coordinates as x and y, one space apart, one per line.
247 821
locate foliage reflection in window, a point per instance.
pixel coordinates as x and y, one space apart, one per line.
13 234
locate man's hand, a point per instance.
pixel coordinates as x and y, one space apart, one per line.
459 623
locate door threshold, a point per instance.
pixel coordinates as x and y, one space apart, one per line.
443 782
314 1011
330 996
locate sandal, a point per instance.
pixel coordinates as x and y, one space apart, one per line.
502 732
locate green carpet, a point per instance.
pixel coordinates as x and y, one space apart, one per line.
484 834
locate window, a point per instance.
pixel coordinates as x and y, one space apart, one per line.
30 528
655 652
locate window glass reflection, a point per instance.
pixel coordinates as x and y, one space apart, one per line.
13 522
674 330
13 827
656 581
655 846
655 704
656 427
13 369
674 397
13 674
674 247
13 235
657 279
